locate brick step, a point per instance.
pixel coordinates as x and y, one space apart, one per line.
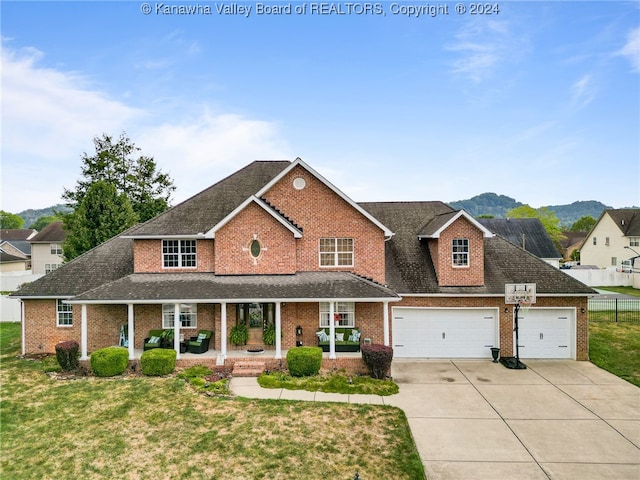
248 368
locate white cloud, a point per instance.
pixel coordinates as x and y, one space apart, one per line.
583 91
631 49
50 117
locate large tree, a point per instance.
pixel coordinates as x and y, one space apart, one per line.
101 214
119 162
584 224
10 220
548 218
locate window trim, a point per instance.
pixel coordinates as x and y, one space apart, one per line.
190 310
55 249
66 310
462 254
336 252
180 253
346 310
634 241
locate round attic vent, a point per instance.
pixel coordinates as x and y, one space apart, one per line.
299 183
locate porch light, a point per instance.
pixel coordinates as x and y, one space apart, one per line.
298 330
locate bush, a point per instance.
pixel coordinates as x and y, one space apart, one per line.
67 355
158 361
110 361
304 361
239 334
378 359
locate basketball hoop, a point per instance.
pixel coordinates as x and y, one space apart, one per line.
522 295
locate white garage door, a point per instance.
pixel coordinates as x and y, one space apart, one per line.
546 333
444 333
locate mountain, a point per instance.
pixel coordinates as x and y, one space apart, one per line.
31 215
499 205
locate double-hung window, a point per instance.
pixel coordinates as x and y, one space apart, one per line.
460 252
344 314
336 252
188 315
178 253
634 241
64 314
56 249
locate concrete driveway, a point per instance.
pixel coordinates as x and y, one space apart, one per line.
555 420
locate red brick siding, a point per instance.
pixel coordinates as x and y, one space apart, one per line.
278 248
147 257
323 214
448 275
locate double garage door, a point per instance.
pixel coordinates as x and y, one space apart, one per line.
471 332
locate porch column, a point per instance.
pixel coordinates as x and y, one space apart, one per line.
83 333
332 331
130 338
176 329
278 332
223 330
385 323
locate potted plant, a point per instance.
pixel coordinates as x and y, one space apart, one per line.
239 334
269 335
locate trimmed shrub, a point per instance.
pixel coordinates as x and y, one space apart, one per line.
109 361
67 355
304 361
158 361
378 359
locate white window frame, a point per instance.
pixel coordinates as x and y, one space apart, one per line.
460 252
345 310
614 261
64 314
335 252
55 249
595 241
183 254
188 315
50 267
634 241
606 241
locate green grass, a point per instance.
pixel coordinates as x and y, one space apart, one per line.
627 290
329 383
615 347
148 427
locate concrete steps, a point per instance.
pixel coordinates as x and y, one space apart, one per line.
248 368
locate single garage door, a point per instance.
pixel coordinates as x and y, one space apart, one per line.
546 333
444 333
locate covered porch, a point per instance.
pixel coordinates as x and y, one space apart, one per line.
298 295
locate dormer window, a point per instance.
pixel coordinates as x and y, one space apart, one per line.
178 253
460 249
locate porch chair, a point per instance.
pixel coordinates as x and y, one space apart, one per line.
200 344
154 340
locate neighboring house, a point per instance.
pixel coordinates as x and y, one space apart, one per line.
571 242
46 248
277 243
12 263
16 242
527 233
614 240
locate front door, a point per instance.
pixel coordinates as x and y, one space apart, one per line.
255 322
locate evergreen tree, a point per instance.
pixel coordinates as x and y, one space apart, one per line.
119 163
101 214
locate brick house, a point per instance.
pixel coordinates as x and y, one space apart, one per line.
276 243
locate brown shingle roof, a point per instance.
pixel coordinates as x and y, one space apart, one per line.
17 234
54 232
527 231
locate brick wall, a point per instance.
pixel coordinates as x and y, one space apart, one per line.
278 247
323 214
147 257
448 275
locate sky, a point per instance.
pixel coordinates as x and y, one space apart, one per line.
395 100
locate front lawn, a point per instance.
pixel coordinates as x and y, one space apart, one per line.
615 347
329 383
135 427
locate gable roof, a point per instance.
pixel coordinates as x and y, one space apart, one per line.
627 220
10 234
52 233
527 233
203 211
440 223
8 258
336 190
23 246
410 268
